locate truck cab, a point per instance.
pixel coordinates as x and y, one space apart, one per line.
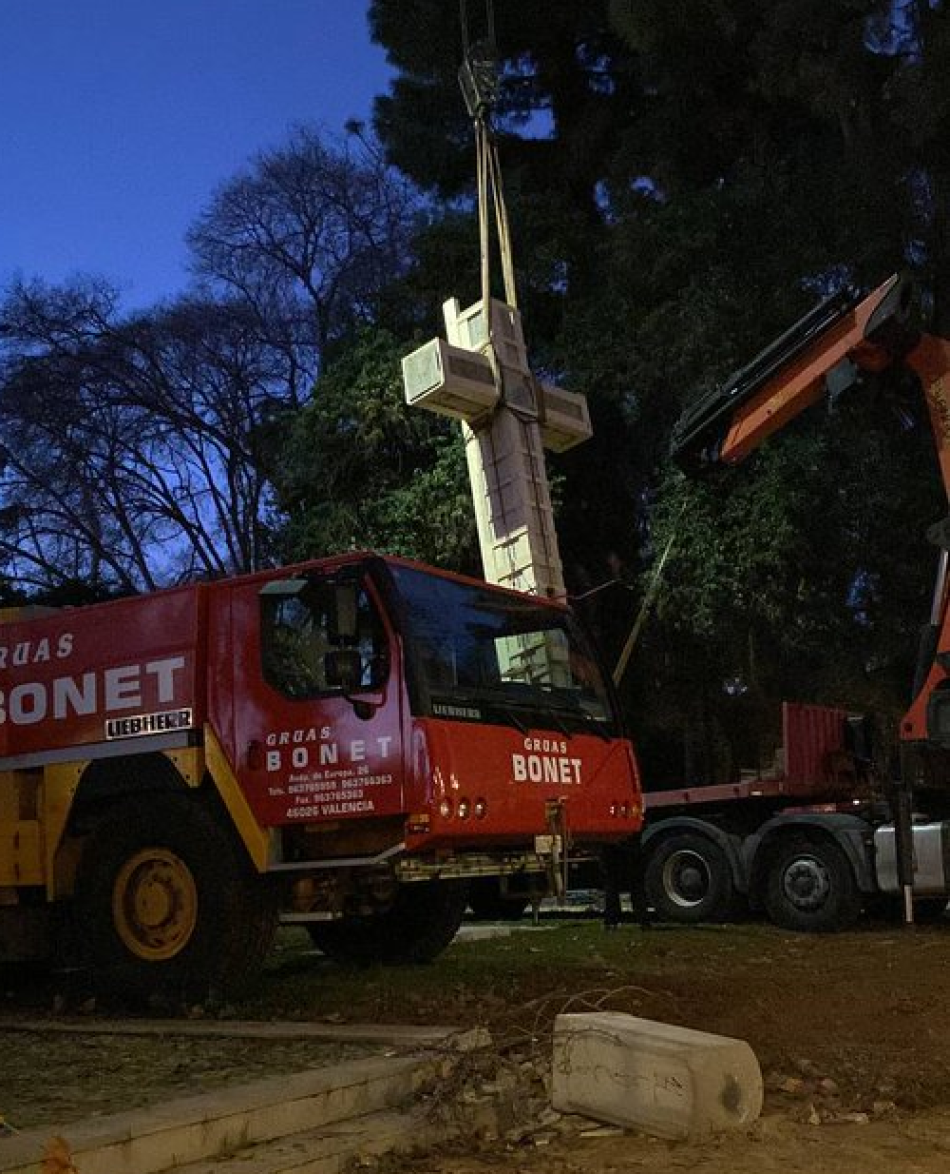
344 743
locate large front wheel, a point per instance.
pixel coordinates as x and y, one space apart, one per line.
168 907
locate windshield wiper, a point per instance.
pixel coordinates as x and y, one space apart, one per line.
537 709
565 721
512 718
483 705
596 727
552 718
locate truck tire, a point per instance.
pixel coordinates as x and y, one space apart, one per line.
687 878
169 909
421 922
488 903
811 886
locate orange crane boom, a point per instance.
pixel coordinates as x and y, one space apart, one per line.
823 353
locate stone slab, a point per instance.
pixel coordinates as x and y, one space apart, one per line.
332 1149
482 933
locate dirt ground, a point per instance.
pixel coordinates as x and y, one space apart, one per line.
852 1033
777 1145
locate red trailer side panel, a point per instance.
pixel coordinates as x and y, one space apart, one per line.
815 757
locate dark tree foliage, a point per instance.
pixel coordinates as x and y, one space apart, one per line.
139 450
561 65
918 38
358 469
566 96
307 237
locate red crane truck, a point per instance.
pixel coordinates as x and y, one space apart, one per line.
343 743
812 841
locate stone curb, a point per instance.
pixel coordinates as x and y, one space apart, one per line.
189 1130
386 1035
332 1150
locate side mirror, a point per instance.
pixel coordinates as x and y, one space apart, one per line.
343 669
344 619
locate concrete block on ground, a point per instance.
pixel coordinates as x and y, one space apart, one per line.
669 1081
482 933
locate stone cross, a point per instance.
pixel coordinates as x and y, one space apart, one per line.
481 377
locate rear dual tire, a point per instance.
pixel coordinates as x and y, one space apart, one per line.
421 922
811 886
687 878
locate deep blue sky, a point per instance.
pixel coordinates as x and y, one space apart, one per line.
121 117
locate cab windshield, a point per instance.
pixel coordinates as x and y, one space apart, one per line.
480 653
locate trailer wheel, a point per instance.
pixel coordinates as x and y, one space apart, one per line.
811 887
687 878
169 909
421 922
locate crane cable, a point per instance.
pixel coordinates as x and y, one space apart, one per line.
478 77
656 582
489 24
491 196
479 86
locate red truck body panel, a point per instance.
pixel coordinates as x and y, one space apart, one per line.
147 673
302 760
504 779
80 679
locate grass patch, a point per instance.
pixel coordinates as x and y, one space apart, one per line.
480 981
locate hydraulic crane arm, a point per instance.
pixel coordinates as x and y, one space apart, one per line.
823 353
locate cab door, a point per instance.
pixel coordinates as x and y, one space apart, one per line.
317 700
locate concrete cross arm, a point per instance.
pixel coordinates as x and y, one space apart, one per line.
470 376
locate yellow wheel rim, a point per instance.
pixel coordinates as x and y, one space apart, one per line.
155 904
